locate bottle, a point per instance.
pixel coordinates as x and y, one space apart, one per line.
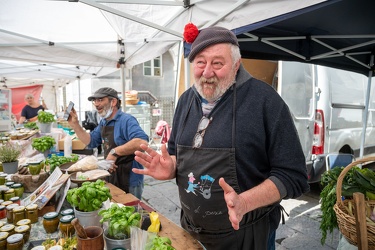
67 145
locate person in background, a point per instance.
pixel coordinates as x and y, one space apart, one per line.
120 135
233 150
30 111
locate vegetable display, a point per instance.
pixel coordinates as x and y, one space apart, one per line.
31 125
89 197
45 117
43 143
56 161
356 180
120 220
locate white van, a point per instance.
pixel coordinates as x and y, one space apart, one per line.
327 106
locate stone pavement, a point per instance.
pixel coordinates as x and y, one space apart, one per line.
300 231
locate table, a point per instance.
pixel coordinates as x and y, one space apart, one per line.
180 238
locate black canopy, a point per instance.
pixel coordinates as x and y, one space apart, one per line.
335 33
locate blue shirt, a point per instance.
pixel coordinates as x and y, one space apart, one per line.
126 128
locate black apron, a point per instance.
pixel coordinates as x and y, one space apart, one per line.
121 177
204 212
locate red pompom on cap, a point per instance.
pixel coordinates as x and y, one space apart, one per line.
190 33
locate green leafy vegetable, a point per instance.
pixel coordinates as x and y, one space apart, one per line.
56 161
45 117
120 220
83 198
162 243
31 125
43 143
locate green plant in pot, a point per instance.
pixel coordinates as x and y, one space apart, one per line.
45 120
43 144
87 200
120 220
9 153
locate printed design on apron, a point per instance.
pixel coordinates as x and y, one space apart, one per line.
203 187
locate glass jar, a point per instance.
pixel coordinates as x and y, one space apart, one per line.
9 183
51 222
18 214
18 189
3 178
68 211
24 230
8 194
3 240
6 203
10 212
32 213
3 212
24 222
8 228
16 200
15 242
66 227
34 168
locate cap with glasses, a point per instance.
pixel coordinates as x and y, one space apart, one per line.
103 92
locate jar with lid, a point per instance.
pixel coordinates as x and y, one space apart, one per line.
68 211
32 213
18 189
51 222
24 222
3 177
15 242
9 184
9 194
10 212
6 203
3 212
24 230
18 214
65 226
35 167
16 200
9 228
3 240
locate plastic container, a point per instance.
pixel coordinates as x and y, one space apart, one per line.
67 145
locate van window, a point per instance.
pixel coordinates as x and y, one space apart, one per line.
345 84
297 88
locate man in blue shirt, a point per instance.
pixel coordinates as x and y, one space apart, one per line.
120 135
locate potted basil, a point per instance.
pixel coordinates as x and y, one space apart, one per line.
45 120
43 144
87 200
119 219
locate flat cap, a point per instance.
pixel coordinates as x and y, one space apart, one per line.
103 92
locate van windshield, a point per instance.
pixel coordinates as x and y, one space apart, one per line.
297 88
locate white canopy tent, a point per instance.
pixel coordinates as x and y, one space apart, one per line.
55 42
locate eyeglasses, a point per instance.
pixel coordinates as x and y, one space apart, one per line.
98 100
202 126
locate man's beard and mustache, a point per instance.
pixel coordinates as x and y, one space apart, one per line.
103 112
212 89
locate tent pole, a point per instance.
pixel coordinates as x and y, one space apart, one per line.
79 97
123 86
364 122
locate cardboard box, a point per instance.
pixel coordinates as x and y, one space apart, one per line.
76 144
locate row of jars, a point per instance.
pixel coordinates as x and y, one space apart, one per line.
13 236
14 212
52 222
11 189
